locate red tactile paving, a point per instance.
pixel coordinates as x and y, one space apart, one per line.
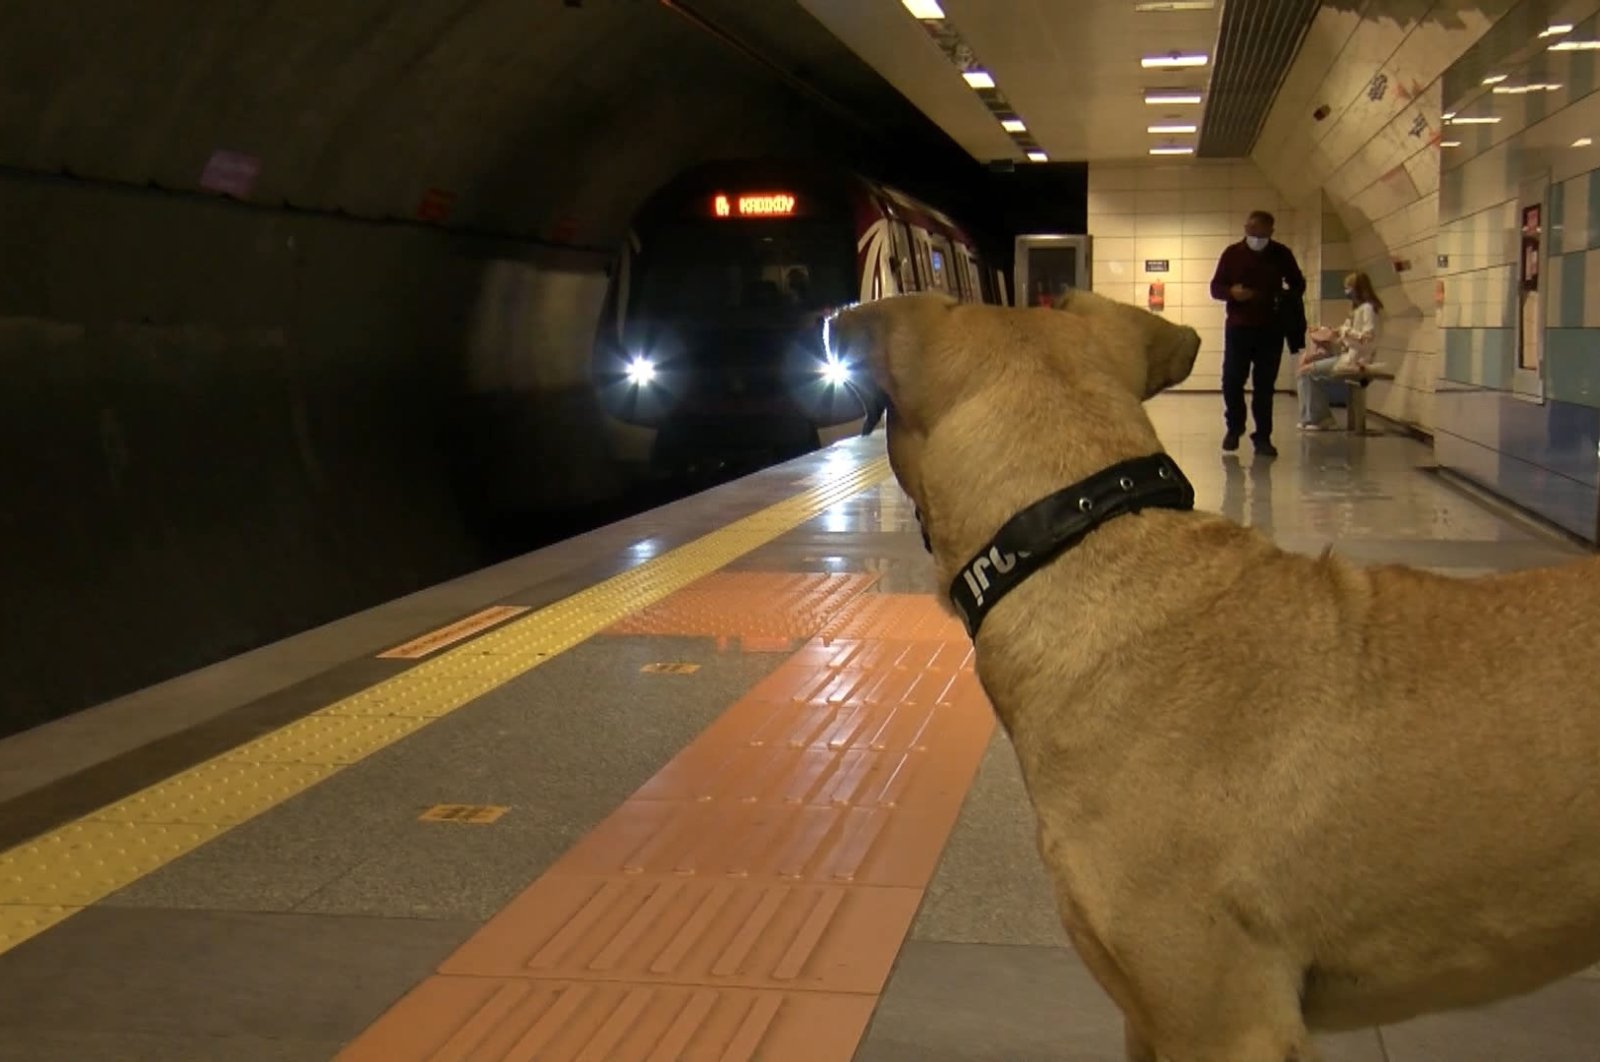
766 611
489 1019
748 901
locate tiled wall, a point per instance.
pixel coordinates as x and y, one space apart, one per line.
1372 71
1529 434
1185 213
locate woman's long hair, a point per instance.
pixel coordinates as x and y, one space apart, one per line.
1361 284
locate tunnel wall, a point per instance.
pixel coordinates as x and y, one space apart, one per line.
222 425
1518 401
296 307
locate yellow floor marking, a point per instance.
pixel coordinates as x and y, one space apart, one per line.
474 814
52 877
433 641
670 669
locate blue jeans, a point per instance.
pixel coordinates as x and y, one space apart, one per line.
1313 387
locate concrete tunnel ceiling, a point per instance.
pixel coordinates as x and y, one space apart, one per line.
1081 80
549 120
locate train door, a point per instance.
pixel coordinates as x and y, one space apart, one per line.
905 256
1047 265
1527 375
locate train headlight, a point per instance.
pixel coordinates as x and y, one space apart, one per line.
641 371
835 372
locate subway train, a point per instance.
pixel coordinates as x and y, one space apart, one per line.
710 351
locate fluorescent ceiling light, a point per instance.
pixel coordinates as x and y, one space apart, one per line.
1172 151
1038 156
1450 143
1486 120
1582 141
1522 90
1175 5
1449 115
1575 46
1172 96
978 79
1174 128
1013 125
924 9
1175 59
1495 80
1557 30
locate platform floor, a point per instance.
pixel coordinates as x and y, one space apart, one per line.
715 779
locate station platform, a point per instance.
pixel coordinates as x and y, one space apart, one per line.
716 782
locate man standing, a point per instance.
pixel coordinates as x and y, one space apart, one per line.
1253 277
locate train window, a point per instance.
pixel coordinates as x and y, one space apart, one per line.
693 270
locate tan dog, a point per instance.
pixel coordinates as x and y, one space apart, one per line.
1274 792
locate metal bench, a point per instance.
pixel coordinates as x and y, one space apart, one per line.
1356 405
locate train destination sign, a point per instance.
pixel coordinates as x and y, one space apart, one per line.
758 205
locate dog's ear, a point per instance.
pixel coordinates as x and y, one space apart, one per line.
879 335
1169 350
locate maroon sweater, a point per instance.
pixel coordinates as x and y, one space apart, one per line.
1266 272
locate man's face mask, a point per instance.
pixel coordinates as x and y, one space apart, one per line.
1256 243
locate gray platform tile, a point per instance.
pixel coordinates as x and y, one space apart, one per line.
990 886
989 1003
34 1046
561 746
1560 1023
196 975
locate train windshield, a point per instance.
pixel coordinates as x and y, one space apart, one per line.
767 272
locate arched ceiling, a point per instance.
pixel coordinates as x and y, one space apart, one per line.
547 118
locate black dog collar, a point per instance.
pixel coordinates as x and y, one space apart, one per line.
1055 524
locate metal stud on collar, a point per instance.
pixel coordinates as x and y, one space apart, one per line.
1085 504
1125 483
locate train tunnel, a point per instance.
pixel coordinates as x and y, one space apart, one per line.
298 302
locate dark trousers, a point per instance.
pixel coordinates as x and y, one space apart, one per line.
1253 354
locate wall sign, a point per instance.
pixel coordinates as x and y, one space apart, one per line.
1156 265
231 173
436 205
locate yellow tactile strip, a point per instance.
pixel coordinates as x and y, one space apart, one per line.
762 880
53 876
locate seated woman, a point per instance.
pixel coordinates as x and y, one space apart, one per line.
1331 352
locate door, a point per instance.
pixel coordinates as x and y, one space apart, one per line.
1048 265
1527 366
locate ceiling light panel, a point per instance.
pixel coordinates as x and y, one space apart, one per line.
1176 59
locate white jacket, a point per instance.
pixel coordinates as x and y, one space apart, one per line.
1359 336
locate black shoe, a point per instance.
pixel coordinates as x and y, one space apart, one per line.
1265 448
1230 441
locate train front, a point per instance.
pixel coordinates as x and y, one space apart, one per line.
712 351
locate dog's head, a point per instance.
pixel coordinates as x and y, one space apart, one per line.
1021 396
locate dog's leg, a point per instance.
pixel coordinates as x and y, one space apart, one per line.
1212 992
1134 1043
